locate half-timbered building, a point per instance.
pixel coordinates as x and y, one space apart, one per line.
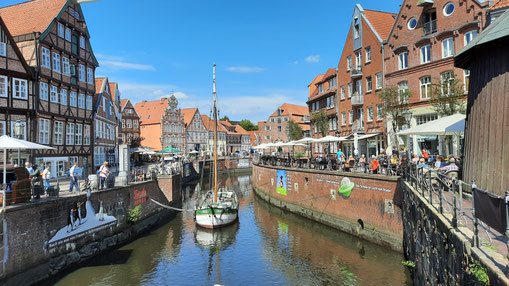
130 128
105 125
53 38
196 133
17 99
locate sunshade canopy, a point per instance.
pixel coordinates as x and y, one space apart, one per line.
307 140
9 143
449 125
330 138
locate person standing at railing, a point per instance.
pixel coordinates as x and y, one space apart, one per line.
104 173
73 178
45 177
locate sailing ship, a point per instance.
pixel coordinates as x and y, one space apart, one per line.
216 208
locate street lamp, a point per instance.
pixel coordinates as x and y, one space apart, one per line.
19 133
408 117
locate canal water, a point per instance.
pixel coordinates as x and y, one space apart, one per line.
268 246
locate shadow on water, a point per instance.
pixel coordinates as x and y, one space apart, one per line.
268 246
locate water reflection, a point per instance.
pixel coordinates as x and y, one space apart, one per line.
266 247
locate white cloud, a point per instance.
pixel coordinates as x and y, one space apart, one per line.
313 59
296 62
178 95
244 69
120 65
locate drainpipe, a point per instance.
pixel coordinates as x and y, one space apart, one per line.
386 143
36 93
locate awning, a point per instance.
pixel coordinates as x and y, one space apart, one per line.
449 125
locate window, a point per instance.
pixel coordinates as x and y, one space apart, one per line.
69 134
403 60
82 72
402 89
44 131
46 58
350 87
430 22
90 75
129 124
279 129
466 80
53 95
63 96
350 117
358 87
378 80
82 42
369 84
349 63
68 34
320 88
81 100
425 54
58 132
60 30
19 88
3 49
425 87
379 112
56 63
449 9
89 102
135 123
86 135
2 127
356 32
358 60
332 82
421 119
73 100
447 48
343 92
78 140
368 54
66 66
3 86
23 126
43 91
343 118
446 79
370 113
412 23
469 36
123 125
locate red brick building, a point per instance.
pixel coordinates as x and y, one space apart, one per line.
360 75
419 51
322 96
130 122
276 128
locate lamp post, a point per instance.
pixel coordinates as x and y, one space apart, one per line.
18 134
408 117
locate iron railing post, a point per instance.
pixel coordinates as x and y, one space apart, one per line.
475 241
461 197
440 193
454 201
430 188
507 230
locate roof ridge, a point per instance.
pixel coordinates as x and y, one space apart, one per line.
17 4
380 11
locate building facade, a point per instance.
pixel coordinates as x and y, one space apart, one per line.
17 99
195 131
57 46
130 127
360 77
221 136
276 128
419 52
322 97
172 129
105 126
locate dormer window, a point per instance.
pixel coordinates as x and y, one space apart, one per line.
320 88
403 60
430 22
356 29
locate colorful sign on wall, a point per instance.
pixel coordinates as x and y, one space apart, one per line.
281 182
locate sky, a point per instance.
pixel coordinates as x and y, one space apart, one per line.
266 51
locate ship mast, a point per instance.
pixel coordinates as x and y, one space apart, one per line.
215 132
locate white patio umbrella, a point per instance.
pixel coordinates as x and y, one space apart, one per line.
307 140
448 125
9 143
330 138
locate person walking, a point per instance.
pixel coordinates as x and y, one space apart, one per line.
74 180
46 174
104 172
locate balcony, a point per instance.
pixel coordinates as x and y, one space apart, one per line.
357 99
356 72
429 27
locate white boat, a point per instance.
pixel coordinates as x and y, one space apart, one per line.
216 209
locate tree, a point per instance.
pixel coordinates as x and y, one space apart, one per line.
321 121
446 95
395 104
248 125
295 131
136 142
225 118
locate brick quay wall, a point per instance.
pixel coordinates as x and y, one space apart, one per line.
372 211
41 242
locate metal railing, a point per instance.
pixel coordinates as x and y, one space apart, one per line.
429 27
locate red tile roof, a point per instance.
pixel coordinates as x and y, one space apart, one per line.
188 114
292 109
151 112
113 91
329 74
31 16
123 102
254 134
226 122
240 130
500 4
98 84
209 124
151 133
313 89
382 22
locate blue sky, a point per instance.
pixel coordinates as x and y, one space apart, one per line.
266 51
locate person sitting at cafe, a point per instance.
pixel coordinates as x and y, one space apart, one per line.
374 165
415 159
425 155
439 162
450 167
362 162
422 163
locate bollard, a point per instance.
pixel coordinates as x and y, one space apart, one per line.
507 231
475 240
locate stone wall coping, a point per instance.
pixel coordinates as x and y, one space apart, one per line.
336 173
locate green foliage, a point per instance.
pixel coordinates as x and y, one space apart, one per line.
479 272
395 103
321 121
134 214
446 95
225 118
299 155
295 131
408 263
348 277
248 125
136 142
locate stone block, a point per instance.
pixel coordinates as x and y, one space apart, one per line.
73 257
58 263
89 249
